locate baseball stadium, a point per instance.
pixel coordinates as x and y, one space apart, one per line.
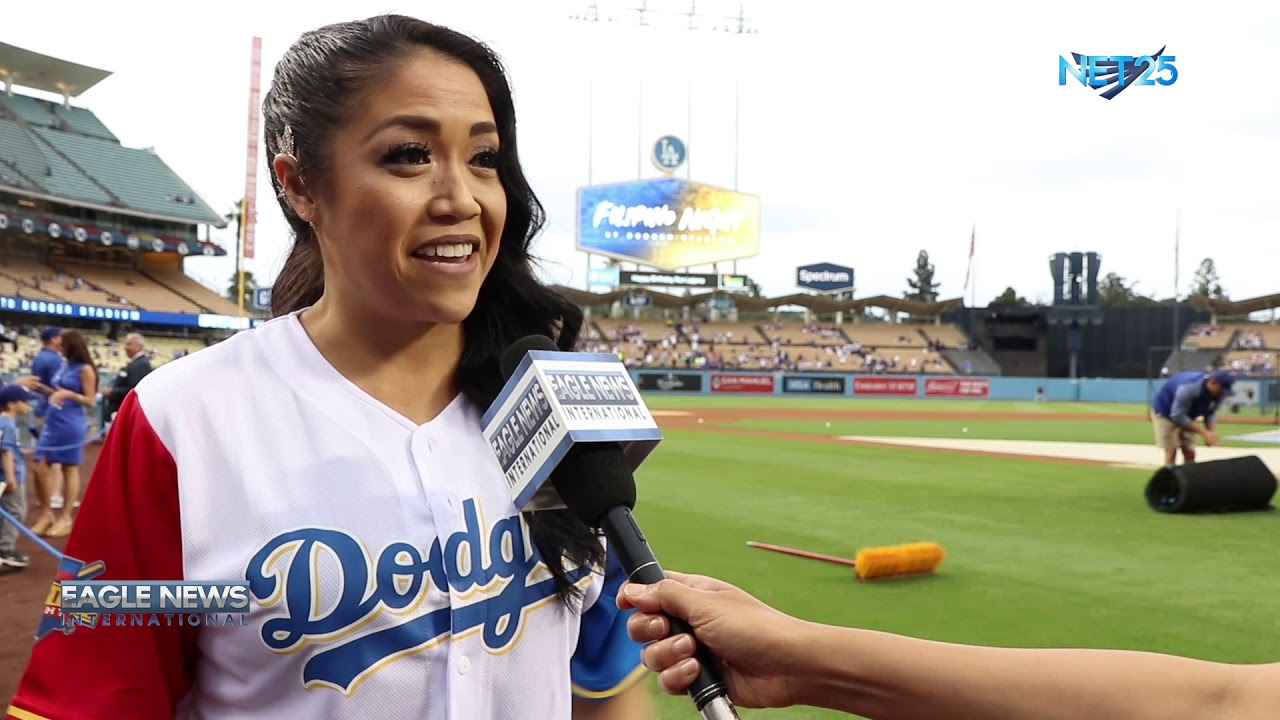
1017 437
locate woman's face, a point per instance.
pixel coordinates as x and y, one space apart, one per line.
412 212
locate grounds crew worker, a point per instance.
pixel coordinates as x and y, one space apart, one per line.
1181 400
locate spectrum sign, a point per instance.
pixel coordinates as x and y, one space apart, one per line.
668 223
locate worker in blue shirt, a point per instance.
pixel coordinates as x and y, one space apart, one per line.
1184 399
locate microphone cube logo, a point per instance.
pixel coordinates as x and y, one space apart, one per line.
1114 74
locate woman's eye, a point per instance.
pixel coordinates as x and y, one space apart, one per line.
408 155
487 159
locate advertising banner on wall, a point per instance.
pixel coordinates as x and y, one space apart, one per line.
957 387
670 382
825 278
821 385
668 223
667 279
742 382
885 386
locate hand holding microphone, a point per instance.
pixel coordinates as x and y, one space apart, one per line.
762 648
580 407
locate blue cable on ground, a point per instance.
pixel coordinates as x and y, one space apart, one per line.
44 544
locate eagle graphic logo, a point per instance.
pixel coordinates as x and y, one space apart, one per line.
53 619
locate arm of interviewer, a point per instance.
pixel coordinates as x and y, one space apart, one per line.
891 677
129 522
774 660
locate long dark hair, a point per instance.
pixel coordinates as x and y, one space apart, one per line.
315 85
76 349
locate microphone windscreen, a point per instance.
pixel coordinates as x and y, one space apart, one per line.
518 349
594 478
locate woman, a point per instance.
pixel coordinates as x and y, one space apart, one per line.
66 429
333 457
773 660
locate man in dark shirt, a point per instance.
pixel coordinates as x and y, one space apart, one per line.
129 376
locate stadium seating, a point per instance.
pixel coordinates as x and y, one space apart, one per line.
44 169
858 347
170 291
139 178
1251 349
44 282
68 152
108 355
136 288
182 284
43 113
1203 336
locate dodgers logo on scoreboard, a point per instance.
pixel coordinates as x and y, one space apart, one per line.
669 153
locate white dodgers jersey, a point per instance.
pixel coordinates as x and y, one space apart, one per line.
390 574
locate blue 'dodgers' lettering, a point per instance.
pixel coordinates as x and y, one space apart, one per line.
495 554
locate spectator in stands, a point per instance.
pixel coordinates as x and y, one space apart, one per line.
1181 401
130 375
66 430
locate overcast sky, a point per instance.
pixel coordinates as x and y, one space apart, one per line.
871 131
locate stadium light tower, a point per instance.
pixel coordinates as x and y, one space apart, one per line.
675 16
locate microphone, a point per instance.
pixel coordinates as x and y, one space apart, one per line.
577 420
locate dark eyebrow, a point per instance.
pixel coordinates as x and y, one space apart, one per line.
426 124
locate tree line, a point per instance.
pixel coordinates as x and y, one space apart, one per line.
1114 290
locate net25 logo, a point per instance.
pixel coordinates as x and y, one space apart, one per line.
1117 73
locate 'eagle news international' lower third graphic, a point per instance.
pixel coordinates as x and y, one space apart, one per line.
74 604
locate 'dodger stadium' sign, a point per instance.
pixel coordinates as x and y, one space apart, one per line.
668 223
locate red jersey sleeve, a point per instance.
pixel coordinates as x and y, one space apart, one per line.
127 528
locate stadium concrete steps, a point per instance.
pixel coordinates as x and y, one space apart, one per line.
1190 359
983 364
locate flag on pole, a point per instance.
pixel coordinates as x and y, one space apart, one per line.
973 237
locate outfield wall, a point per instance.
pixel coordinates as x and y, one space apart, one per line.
698 382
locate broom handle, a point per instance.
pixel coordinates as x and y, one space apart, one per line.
802 553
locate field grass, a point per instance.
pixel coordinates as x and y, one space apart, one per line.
1040 554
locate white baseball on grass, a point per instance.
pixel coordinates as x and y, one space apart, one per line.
964 430
828 424
699 421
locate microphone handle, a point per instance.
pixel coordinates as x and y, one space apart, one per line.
709 692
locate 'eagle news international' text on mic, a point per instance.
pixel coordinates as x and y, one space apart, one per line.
577 420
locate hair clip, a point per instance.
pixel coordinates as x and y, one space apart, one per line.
286 141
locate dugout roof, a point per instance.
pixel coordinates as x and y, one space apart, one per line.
43 72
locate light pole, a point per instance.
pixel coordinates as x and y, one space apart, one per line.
687 19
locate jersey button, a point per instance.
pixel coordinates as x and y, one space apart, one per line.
464 664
